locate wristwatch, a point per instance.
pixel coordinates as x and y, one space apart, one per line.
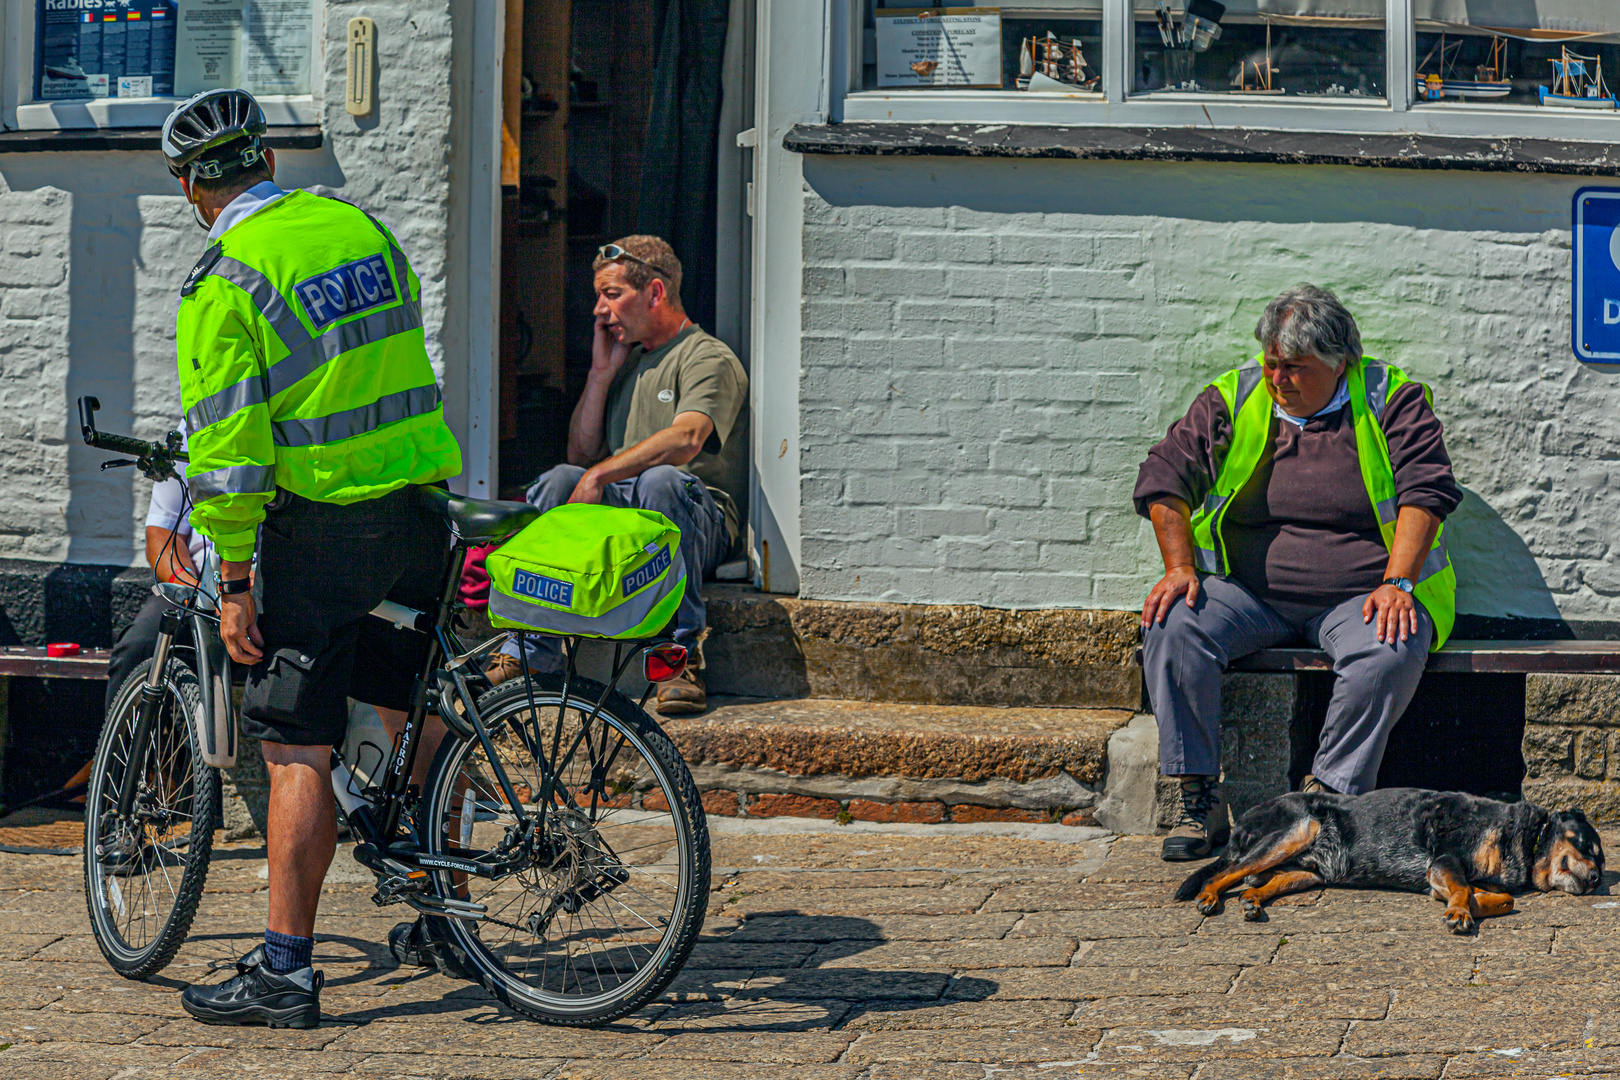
232 587
1401 583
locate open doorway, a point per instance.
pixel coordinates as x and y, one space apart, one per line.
613 126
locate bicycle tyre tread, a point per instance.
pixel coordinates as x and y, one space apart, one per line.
161 952
622 708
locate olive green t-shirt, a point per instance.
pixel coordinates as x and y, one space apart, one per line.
692 372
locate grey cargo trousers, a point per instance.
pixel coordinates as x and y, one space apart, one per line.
1183 659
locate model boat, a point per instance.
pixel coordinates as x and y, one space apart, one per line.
1489 81
1576 86
1262 70
1043 62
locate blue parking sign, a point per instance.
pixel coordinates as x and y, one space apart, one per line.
1595 330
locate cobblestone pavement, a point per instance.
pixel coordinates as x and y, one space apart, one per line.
865 955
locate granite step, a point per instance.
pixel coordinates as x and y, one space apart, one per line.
884 761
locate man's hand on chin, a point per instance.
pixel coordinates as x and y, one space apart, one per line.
588 490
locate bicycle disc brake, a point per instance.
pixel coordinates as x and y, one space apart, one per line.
586 862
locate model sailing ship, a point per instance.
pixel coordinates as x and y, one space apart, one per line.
1050 64
1573 86
1262 73
1490 79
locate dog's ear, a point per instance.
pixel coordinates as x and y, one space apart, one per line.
1577 813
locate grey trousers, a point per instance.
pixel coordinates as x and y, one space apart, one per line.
1183 659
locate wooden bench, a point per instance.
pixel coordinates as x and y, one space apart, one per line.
1467 657
1568 696
31 661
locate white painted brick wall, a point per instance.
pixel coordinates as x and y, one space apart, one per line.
94 247
990 348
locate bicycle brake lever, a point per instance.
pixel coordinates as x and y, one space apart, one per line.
116 463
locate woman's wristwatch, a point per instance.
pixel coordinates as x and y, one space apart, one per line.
1401 583
233 586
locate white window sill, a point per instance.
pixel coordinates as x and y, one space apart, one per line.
142 113
1230 111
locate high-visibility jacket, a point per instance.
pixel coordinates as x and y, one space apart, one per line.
1371 383
303 366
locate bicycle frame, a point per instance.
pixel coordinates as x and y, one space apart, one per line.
378 811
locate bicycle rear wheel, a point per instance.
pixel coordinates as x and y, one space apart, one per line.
607 896
143 877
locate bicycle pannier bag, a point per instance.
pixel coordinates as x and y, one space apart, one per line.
594 571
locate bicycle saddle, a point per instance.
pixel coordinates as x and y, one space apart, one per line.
480 521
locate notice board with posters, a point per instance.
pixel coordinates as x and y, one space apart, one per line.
147 48
104 48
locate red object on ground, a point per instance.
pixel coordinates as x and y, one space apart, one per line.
62 648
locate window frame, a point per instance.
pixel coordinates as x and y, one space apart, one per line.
20 112
1115 106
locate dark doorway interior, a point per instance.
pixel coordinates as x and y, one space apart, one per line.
612 116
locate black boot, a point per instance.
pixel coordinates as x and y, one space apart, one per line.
257 995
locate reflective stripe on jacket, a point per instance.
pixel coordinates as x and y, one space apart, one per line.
1371 384
303 366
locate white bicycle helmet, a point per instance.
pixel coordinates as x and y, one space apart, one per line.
208 120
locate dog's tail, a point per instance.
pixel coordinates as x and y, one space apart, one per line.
1199 878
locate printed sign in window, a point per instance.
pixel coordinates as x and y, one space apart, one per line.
104 48
939 47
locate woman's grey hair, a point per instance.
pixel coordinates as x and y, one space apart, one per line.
1309 321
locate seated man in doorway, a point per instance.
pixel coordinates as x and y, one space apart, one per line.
662 425
1310 510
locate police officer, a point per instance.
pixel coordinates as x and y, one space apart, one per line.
314 417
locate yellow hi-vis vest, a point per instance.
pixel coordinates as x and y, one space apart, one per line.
1371 384
303 366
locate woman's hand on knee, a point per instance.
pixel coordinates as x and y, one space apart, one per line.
1178 581
1395 611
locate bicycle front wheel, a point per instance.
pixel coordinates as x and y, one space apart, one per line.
597 905
143 875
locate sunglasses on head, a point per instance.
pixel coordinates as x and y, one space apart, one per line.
613 253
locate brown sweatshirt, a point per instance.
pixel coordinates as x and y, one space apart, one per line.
1302 530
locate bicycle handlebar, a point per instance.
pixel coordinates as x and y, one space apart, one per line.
149 453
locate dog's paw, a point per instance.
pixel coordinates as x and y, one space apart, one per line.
1209 904
1460 921
1253 912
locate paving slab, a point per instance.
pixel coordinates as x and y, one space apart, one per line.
1075 984
870 955
1186 1042
988 1047
828 928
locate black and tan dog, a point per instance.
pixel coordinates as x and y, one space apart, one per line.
1470 852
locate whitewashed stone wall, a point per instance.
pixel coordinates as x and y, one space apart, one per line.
990 347
94 246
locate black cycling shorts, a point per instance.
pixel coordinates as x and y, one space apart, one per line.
323 567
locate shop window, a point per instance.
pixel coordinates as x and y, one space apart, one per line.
116 49
1050 47
1309 49
1562 54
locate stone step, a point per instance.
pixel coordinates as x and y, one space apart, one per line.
883 761
763 645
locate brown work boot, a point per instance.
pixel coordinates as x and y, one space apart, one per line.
683 695
1203 825
1312 786
502 667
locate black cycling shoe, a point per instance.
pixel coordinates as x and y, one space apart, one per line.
419 944
255 995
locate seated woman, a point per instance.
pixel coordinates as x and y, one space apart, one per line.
1310 511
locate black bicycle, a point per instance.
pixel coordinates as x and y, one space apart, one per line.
558 845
